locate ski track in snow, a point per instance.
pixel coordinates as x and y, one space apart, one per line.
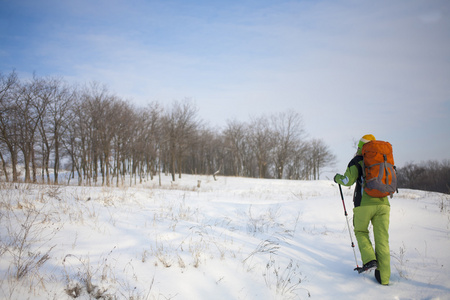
234 238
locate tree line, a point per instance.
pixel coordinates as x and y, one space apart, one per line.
48 125
428 176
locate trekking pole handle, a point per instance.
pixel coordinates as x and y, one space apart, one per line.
343 202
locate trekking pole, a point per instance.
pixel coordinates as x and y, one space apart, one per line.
348 226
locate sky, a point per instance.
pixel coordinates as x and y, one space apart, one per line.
348 67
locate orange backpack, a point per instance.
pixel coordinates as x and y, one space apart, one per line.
379 169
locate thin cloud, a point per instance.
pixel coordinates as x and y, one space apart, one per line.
330 60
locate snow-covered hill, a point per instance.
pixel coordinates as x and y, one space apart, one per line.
234 238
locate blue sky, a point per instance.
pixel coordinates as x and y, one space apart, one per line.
348 67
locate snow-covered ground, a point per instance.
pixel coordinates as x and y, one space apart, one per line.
234 238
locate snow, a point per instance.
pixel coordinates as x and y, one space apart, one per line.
232 238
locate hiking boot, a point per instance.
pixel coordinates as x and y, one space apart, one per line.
371 265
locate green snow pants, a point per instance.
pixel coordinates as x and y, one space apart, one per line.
379 216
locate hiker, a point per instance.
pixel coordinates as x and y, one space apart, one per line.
368 209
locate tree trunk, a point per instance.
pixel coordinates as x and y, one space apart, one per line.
4 168
56 166
33 164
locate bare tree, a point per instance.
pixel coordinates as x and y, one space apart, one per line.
288 132
76 138
104 136
236 142
430 175
154 137
8 122
47 94
206 155
262 142
59 112
180 128
103 111
30 108
321 156
122 131
59 97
